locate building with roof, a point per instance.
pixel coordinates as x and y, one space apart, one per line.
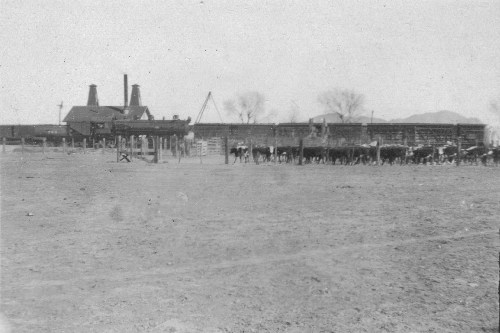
93 120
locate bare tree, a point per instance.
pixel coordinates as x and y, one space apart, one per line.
247 107
347 104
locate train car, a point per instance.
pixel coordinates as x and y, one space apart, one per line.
34 134
7 131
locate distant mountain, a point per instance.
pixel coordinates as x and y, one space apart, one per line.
439 117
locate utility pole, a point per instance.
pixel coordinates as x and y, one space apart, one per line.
60 108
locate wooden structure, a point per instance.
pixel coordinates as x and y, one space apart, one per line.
427 134
162 128
157 130
338 134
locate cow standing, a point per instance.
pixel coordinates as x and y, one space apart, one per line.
239 152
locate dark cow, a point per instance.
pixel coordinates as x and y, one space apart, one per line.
362 155
287 154
265 152
391 154
450 154
240 152
424 154
474 154
316 154
348 155
495 152
340 154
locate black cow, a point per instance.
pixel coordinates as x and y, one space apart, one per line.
450 154
265 152
239 152
287 154
316 154
473 154
362 155
391 154
423 154
495 152
340 154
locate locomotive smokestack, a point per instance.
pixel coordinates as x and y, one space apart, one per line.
93 100
135 98
125 90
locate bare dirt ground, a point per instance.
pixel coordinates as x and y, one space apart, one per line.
91 245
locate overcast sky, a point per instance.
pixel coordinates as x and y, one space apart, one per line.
406 57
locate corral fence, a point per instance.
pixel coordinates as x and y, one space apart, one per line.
339 135
438 142
44 145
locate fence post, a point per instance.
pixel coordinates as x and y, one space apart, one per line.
103 145
118 140
131 147
178 149
226 150
155 144
434 155
73 143
378 150
93 143
3 145
459 153
160 148
44 143
84 145
173 145
22 145
275 150
250 150
64 145
301 150
162 145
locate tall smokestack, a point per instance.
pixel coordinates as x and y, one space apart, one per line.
93 100
135 99
125 90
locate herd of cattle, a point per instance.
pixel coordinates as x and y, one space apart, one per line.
366 154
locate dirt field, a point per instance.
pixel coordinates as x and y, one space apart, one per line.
89 245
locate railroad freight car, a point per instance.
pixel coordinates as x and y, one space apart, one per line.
34 134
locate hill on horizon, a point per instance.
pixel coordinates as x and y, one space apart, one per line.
439 117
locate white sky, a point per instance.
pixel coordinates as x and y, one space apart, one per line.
406 57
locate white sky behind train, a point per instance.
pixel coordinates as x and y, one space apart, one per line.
406 57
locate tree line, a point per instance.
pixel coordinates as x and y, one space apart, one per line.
249 107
